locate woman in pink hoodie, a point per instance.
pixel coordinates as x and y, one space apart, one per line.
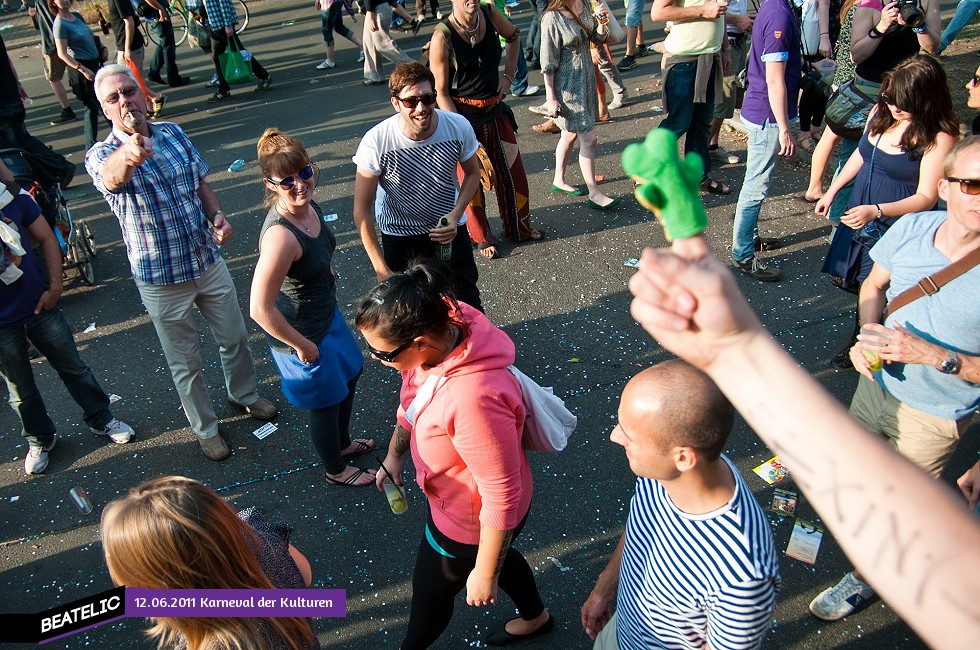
465 437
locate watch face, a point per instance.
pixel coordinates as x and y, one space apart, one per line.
950 365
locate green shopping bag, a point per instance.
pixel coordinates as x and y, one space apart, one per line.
235 68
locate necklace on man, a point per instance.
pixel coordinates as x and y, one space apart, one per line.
470 32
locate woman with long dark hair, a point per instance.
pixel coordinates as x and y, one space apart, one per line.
895 169
461 412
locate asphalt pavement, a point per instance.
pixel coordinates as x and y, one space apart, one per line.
564 301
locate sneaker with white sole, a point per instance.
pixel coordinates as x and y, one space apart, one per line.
618 101
360 57
37 457
117 430
720 155
530 91
756 268
540 110
213 83
842 599
326 64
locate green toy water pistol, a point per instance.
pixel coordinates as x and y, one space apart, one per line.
666 185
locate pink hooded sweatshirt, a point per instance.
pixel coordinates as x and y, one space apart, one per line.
466 444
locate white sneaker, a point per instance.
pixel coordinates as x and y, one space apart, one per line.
117 430
842 599
540 110
618 102
360 57
37 457
326 64
530 91
439 14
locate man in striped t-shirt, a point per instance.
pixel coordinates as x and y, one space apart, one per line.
406 179
696 567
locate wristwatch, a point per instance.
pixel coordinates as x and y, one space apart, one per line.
950 365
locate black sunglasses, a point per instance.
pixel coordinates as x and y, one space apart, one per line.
304 174
969 186
411 102
975 82
389 357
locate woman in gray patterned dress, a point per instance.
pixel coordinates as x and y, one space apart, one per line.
567 27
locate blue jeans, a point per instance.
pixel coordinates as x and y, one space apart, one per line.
519 84
763 156
532 46
50 334
166 52
966 10
683 115
634 12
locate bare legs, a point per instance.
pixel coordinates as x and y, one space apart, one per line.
821 156
586 162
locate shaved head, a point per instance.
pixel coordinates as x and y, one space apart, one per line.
679 406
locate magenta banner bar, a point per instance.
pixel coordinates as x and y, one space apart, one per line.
240 603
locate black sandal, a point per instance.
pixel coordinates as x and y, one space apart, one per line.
351 480
715 187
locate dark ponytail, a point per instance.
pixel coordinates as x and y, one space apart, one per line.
408 304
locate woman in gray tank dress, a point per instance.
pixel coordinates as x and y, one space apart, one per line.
294 299
567 28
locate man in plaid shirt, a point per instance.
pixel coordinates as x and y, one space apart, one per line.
222 20
153 179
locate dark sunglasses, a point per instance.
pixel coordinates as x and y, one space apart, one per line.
969 186
287 183
128 92
975 82
389 357
411 102
888 99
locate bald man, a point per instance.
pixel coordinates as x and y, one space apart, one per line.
690 504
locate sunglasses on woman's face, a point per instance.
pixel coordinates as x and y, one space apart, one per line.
975 82
287 183
389 357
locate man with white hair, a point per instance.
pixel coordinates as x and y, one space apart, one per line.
153 178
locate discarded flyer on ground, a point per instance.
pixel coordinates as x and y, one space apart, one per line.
633 263
772 471
805 541
265 430
114 398
784 502
330 217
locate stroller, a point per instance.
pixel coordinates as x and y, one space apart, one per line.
75 240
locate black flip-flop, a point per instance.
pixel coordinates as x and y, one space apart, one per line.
713 186
351 480
361 449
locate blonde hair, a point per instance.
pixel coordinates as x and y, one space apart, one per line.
175 533
279 154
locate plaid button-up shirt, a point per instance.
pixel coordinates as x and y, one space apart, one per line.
167 234
221 13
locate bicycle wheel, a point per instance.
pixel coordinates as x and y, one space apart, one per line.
88 239
150 35
241 10
82 261
179 22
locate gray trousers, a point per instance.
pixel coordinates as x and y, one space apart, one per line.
171 308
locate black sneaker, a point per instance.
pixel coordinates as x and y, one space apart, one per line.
642 50
763 244
842 358
219 97
67 115
263 84
628 63
756 268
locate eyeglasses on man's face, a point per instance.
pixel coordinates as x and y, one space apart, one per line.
969 186
411 102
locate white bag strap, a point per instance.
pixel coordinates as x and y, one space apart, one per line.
423 397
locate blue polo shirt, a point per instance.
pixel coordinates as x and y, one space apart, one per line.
775 37
18 300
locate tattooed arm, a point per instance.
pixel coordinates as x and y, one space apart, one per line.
481 586
401 442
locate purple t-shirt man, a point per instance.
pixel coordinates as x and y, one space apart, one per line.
775 37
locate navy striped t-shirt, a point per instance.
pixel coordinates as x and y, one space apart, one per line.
417 179
688 581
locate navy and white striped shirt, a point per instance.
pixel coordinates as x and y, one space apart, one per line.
417 183
167 235
691 581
